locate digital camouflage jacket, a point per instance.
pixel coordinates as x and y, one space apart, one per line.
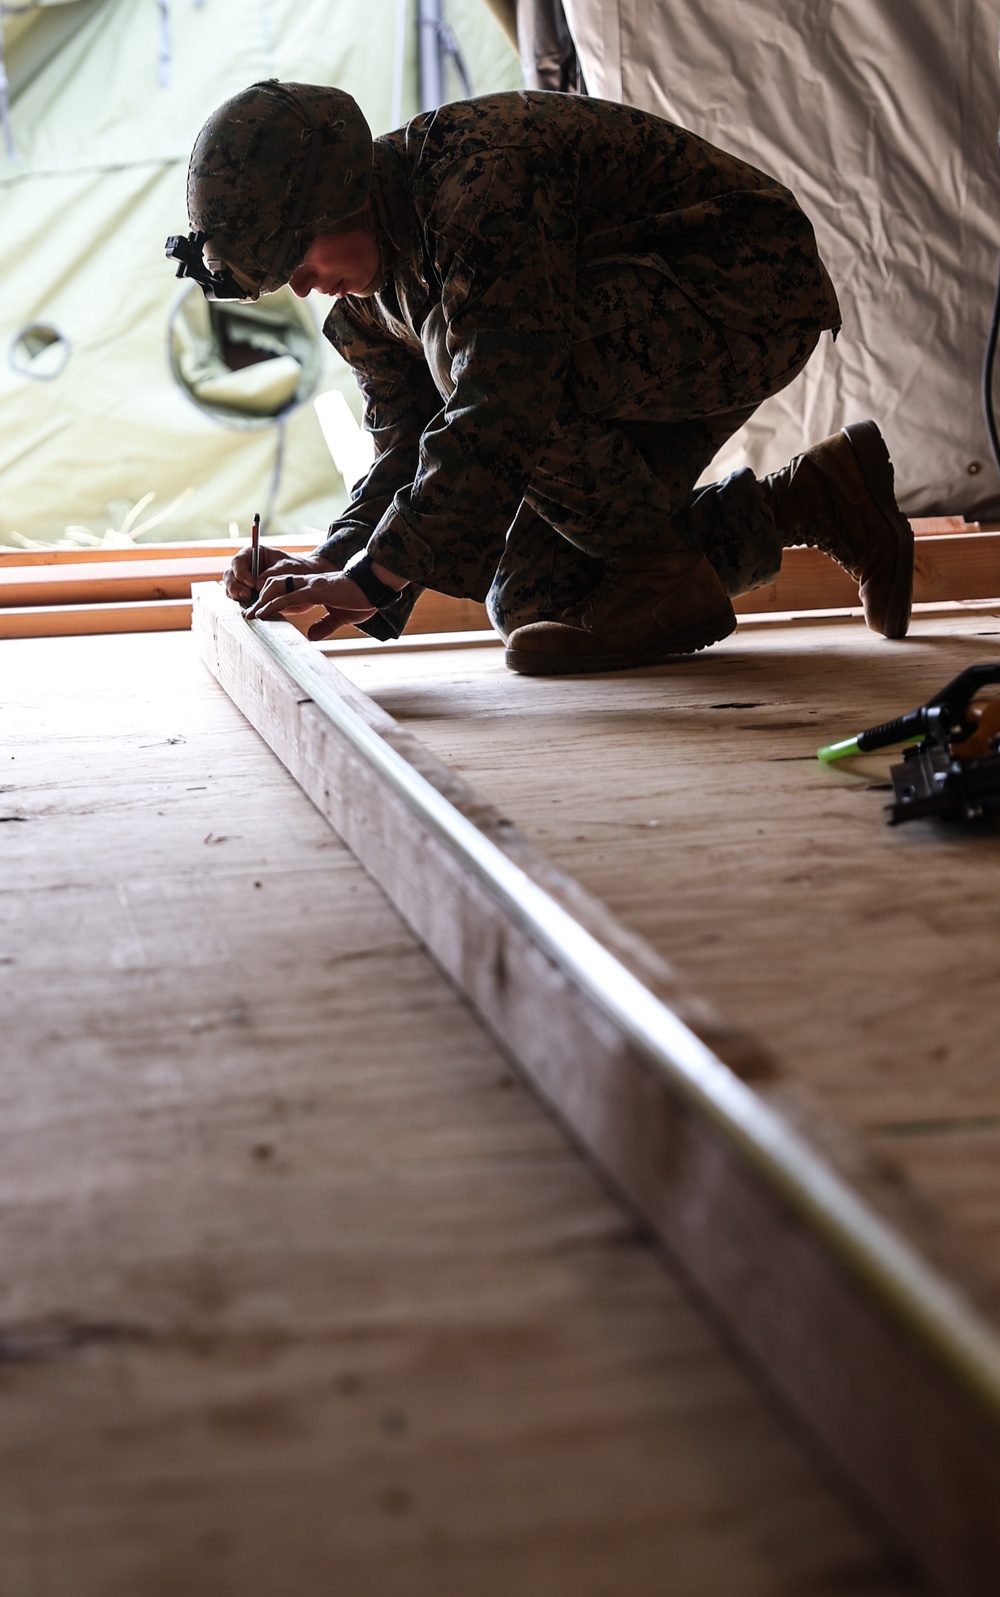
505 223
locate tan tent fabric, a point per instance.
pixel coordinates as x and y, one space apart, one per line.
279 328
106 98
881 115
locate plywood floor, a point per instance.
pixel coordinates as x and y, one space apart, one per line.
689 799
300 1292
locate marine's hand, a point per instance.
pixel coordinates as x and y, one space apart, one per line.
273 563
287 590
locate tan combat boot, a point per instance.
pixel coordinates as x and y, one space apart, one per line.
839 497
649 604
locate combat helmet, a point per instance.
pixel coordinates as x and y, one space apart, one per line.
271 168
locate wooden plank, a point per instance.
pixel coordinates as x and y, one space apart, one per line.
938 526
933 610
196 549
963 566
302 1293
438 613
59 577
949 566
892 1415
117 582
77 620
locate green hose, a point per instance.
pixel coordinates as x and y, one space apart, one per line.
838 751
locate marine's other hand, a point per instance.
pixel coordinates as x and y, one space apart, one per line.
284 591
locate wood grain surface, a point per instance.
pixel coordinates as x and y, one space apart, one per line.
832 1342
301 1292
689 799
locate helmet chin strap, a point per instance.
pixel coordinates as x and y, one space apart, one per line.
368 220
375 222
380 276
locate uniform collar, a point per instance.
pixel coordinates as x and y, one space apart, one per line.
396 222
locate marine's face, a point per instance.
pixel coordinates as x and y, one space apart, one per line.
337 264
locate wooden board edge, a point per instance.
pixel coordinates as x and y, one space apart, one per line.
60 621
188 549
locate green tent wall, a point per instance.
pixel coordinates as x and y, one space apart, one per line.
106 97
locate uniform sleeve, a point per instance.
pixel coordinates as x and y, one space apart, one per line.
399 400
503 229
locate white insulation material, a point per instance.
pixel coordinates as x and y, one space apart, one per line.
881 116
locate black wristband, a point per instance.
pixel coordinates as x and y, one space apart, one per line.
359 569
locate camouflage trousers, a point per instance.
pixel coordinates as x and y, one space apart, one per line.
625 474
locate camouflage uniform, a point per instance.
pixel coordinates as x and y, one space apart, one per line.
581 303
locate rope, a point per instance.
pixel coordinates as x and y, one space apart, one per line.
451 51
989 362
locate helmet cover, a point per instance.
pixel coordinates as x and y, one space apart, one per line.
271 168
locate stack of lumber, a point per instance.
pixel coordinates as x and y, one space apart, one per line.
59 592
55 592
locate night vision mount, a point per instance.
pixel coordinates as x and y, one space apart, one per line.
188 253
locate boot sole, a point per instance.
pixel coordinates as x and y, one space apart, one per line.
686 640
876 468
